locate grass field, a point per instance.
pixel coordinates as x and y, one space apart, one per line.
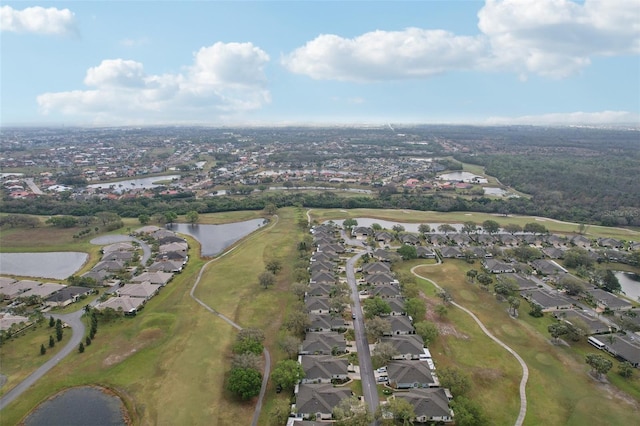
559 391
169 363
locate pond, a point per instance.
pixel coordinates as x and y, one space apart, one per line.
123 185
630 284
79 407
56 265
214 239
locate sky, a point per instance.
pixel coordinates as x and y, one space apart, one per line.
219 63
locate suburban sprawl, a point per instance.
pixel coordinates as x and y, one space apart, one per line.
309 276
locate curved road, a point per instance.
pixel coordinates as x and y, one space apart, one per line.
525 369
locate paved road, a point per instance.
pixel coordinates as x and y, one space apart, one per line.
34 188
525 370
77 328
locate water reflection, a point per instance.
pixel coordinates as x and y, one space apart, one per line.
79 407
216 238
57 265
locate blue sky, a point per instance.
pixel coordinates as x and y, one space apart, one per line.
323 62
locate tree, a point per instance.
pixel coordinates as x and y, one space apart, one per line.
52 322
383 353
536 310
349 223
535 228
81 347
625 369
468 412
441 310
58 330
424 228
576 257
472 274
427 330
52 342
557 329
144 219
244 382
610 282
455 380
352 412
445 296
299 289
408 252
514 304
249 340
290 345
375 306
192 217
169 217
279 413
287 373
415 308
572 285
491 226
43 350
445 228
397 228
485 280
378 327
266 279
599 364
87 341
297 322
401 410
469 228
506 287
512 228
274 266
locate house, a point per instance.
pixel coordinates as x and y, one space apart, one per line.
144 290
376 268
98 276
7 320
112 266
429 405
336 248
17 288
158 277
326 322
323 278
450 252
325 256
546 300
497 267
176 256
126 305
323 368
425 252
410 346
625 348
522 282
410 374
381 278
318 400
361 232
165 265
409 239
67 295
610 243
317 267
385 255
397 305
607 300
115 247
317 304
581 241
594 324
123 256
325 343
547 267
174 246
400 325
43 290
553 252
384 237
320 290
386 291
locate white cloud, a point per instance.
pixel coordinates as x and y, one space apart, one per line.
134 42
37 20
551 38
571 118
382 55
225 79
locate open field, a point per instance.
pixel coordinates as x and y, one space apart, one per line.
560 390
169 363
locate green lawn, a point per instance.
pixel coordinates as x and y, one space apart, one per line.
559 390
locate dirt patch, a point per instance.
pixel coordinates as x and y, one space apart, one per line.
487 376
445 328
144 338
613 392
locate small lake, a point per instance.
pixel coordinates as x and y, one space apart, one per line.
630 286
79 407
57 265
123 185
409 227
215 238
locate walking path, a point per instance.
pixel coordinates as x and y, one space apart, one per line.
525 369
267 355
